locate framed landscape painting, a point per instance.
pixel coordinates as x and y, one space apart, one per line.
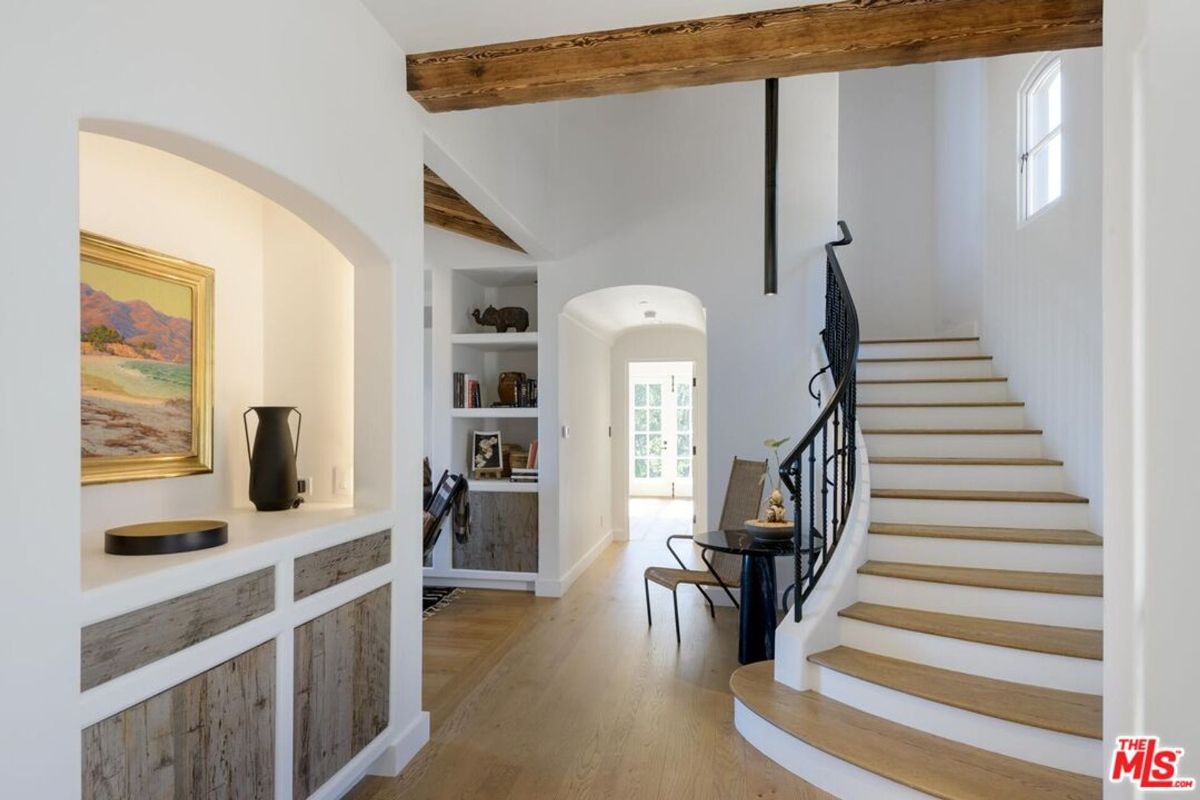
145 344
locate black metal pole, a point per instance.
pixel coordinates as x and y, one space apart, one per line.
770 267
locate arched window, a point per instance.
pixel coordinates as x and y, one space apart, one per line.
1041 137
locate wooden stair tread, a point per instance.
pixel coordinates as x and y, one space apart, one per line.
985 534
1073 713
980 495
1050 639
975 404
1013 580
920 341
901 359
932 380
966 462
952 432
926 763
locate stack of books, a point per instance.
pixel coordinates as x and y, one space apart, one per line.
466 391
529 472
525 475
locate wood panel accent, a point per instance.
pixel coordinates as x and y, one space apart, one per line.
952 431
934 380
212 736
504 533
978 495
918 359
446 208
331 566
342 678
921 341
1012 580
831 37
122 644
1051 709
984 534
1052 639
930 764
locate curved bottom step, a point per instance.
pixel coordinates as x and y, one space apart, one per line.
922 763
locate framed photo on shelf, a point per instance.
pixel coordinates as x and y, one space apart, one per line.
487 460
145 345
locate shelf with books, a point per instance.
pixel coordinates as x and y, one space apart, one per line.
502 485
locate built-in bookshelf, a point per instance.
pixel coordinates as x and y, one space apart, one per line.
502 549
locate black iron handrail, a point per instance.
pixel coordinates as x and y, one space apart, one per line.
821 512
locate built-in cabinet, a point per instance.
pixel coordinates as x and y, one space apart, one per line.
502 546
310 642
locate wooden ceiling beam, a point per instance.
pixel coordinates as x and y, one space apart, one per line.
832 37
446 208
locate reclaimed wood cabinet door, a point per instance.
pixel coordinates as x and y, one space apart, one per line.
210 737
504 533
342 677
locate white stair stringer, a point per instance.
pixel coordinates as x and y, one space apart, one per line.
932 391
1026 742
1018 444
995 477
927 349
900 370
944 415
974 513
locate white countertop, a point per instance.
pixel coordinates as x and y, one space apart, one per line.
115 584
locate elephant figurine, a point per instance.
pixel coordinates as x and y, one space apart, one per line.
503 318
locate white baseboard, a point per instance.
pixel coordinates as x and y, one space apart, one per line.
402 748
559 587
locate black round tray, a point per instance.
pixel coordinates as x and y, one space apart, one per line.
160 538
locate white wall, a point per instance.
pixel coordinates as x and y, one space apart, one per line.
658 343
308 348
585 457
959 202
666 189
1041 278
303 101
1151 168
886 195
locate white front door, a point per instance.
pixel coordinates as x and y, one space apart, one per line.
661 444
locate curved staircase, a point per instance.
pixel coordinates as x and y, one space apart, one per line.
970 667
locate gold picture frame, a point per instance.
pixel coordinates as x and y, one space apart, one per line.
138 418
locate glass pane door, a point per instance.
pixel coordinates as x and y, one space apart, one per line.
662 438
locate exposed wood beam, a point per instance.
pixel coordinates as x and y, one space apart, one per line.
831 37
446 208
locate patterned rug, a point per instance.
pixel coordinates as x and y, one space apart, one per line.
435 598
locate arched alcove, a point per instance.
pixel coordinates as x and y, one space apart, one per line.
603 334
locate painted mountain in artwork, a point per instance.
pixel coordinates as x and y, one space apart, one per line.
147 332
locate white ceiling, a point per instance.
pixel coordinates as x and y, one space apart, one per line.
613 311
420 25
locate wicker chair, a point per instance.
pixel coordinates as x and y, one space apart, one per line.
743 497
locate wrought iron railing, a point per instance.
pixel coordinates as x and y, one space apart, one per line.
820 471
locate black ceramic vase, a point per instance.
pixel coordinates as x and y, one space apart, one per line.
273 484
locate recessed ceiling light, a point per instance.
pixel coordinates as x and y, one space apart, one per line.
650 314
643 302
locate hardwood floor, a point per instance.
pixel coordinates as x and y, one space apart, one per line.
577 698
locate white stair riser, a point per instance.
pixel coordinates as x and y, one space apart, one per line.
1077 559
999 478
1039 608
920 349
1026 742
990 661
956 445
829 773
877 370
981 513
943 417
939 392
